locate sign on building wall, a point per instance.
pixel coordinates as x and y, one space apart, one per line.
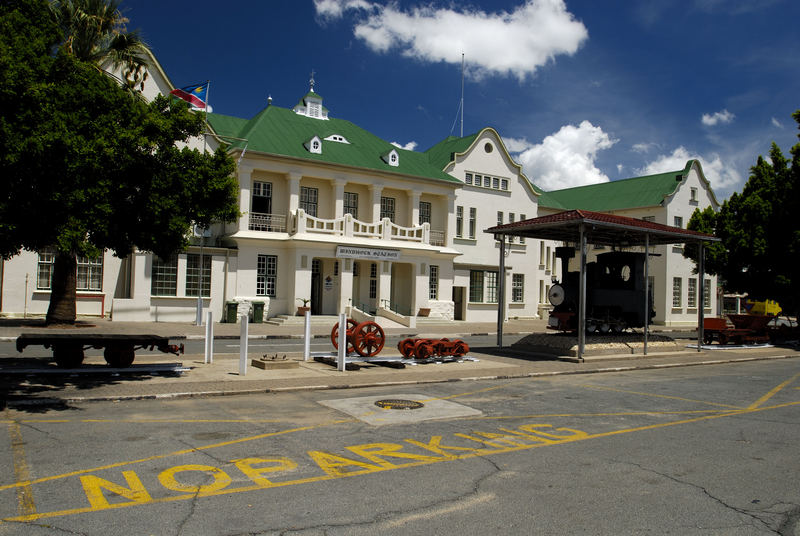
349 252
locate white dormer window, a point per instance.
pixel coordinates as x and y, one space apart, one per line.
314 145
392 158
314 109
337 138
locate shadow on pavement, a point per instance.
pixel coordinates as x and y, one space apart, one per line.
32 385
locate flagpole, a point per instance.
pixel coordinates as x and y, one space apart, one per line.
199 319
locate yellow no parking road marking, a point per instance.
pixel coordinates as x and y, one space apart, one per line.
175 453
333 465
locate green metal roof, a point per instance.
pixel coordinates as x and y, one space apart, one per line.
622 194
280 131
441 154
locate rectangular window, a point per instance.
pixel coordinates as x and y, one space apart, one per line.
496 183
691 298
198 277
433 282
499 218
164 277
424 212
459 222
677 290
373 270
468 178
44 272
522 218
351 204
90 273
693 192
373 289
335 268
266 275
511 220
504 184
473 217
309 198
517 288
476 286
262 198
387 208
487 181
706 293
491 287
678 221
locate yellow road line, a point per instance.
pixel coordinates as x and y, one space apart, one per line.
175 453
321 478
773 392
654 395
25 504
607 414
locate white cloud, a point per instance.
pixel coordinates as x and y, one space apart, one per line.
517 145
512 43
334 9
410 146
776 123
567 158
643 147
722 175
718 117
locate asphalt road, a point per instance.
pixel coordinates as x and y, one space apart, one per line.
695 450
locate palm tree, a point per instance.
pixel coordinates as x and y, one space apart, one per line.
93 32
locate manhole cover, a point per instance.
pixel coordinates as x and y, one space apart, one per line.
398 403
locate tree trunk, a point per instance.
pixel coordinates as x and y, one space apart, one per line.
62 290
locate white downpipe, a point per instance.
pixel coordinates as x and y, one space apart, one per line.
243 346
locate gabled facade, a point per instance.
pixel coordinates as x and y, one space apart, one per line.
668 198
330 214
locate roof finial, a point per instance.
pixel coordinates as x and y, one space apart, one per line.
269 100
311 82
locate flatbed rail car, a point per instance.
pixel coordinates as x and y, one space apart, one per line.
119 350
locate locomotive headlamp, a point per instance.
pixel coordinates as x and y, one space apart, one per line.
556 295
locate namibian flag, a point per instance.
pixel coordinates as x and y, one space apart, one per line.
194 95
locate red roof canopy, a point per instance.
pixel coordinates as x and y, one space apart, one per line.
600 228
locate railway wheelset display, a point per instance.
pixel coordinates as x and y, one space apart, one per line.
367 340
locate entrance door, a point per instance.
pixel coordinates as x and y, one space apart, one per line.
316 287
458 303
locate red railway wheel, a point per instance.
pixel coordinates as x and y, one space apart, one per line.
351 325
406 347
368 339
423 349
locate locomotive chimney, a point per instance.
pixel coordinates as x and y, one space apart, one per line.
565 253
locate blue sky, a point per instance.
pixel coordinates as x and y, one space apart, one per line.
582 91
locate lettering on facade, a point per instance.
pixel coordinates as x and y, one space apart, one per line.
349 252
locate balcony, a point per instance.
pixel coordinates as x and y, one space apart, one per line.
275 223
347 226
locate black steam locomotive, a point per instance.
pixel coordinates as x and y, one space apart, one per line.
615 291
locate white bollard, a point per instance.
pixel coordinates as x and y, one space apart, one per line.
340 359
209 339
243 347
307 335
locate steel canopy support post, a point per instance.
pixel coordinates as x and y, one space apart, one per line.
701 286
501 291
582 298
646 289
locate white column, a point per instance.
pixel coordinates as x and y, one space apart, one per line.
450 230
338 197
245 184
345 283
384 283
413 199
294 191
375 191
